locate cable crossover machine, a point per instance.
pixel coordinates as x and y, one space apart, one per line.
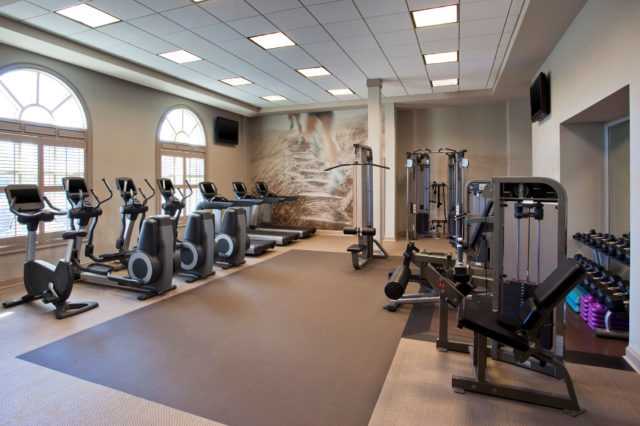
365 249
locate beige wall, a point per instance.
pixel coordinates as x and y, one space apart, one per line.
519 137
582 175
124 118
594 59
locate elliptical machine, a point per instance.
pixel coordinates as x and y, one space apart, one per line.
149 265
194 255
44 281
230 225
131 211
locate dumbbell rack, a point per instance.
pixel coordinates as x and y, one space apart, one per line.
601 300
608 245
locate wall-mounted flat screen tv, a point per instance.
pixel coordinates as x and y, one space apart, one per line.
226 131
540 96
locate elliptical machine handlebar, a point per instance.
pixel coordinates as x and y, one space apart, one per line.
99 201
185 194
146 199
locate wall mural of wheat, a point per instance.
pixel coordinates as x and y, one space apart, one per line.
290 152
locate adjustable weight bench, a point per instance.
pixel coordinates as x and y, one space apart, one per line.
476 314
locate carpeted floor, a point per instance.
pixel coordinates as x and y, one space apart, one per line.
300 339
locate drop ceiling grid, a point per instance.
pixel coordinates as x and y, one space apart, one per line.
480 57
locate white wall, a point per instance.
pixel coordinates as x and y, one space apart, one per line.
124 119
596 57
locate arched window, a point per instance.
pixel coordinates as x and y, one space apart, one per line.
182 126
43 138
35 96
182 151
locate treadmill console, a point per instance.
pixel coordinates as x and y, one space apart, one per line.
240 189
208 190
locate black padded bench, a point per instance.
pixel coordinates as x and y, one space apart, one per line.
476 314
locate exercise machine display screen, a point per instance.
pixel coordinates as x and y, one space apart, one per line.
76 186
25 198
126 185
166 185
239 188
262 187
208 188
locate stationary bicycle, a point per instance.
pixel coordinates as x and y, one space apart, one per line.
150 264
194 255
44 281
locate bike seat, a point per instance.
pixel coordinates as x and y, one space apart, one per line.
72 235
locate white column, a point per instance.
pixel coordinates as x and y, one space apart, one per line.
375 137
390 175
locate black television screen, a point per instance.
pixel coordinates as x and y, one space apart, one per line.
540 96
226 131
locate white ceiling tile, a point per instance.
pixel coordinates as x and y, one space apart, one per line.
95 39
436 46
327 52
310 2
397 38
390 23
255 25
127 32
244 48
407 50
229 10
156 24
348 29
442 71
295 57
417 86
439 32
269 6
429 4
337 11
393 88
211 70
408 66
481 27
56 4
315 34
259 91
218 33
292 19
191 17
381 7
123 9
486 42
57 24
328 82
162 5
373 63
358 43
484 9
22 10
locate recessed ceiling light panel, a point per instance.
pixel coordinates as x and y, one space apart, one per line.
314 72
272 41
445 82
236 81
274 98
88 15
340 92
441 58
181 57
435 16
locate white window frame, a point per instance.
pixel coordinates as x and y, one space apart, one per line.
44 135
183 150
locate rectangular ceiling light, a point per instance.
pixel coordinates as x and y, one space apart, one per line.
272 41
441 58
340 92
445 82
181 57
314 72
88 15
236 81
435 16
274 98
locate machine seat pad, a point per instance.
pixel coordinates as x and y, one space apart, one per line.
71 235
477 315
355 248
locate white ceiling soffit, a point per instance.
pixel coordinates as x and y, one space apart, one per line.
355 40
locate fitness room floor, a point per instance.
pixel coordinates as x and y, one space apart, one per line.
295 337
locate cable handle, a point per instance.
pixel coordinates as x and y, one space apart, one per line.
355 164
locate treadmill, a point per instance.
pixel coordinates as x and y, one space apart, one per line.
218 204
264 219
252 206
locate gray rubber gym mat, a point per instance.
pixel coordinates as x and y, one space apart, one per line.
301 339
